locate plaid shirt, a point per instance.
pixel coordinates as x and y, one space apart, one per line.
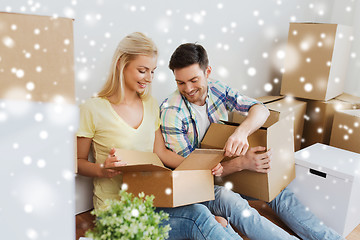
178 121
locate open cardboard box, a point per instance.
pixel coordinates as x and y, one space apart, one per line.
191 182
275 134
316 60
281 107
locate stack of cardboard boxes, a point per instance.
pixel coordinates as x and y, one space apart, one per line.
315 72
327 178
38 118
312 97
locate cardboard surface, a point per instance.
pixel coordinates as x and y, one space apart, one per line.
327 182
284 106
190 182
319 121
259 185
354 100
37 61
316 60
345 132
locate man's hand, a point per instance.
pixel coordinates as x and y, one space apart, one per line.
111 161
217 170
237 144
258 162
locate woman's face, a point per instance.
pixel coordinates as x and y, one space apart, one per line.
139 73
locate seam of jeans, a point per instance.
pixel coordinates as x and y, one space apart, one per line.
298 220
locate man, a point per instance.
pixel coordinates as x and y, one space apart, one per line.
185 117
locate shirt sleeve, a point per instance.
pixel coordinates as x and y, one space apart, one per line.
86 124
175 132
235 101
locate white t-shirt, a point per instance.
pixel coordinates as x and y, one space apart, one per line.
202 119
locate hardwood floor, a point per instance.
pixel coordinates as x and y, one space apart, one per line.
84 221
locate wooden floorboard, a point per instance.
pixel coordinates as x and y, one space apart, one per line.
84 221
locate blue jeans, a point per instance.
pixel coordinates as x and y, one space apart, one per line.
196 222
305 224
247 220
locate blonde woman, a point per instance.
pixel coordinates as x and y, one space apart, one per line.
124 115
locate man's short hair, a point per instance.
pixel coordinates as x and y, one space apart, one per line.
188 54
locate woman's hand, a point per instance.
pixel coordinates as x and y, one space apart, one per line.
111 161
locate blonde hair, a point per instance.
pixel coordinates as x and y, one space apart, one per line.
129 48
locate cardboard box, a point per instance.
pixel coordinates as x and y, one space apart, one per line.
320 115
345 133
191 182
328 183
38 120
283 106
263 186
37 59
316 60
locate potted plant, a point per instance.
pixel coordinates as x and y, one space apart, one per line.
129 218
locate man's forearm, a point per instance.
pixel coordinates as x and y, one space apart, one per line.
256 117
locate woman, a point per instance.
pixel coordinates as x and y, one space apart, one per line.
125 116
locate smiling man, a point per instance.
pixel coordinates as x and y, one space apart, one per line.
185 118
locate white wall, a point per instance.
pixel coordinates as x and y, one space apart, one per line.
347 12
240 36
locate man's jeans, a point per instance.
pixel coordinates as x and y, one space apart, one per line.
247 220
196 222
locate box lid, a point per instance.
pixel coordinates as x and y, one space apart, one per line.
330 160
202 159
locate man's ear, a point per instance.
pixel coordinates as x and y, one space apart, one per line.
208 71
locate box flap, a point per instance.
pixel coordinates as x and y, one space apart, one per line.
202 159
273 118
268 99
217 135
348 98
138 161
329 160
193 186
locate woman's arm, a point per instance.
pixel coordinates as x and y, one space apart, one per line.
168 157
172 159
90 169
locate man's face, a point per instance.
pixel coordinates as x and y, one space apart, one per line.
192 83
